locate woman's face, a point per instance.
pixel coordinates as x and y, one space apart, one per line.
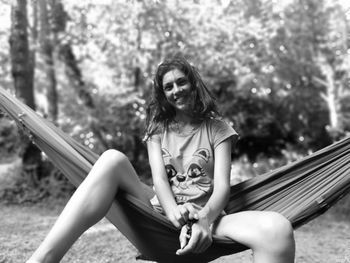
178 91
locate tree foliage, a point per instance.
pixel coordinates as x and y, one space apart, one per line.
279 69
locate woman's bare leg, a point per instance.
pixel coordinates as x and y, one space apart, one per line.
90 202
268 234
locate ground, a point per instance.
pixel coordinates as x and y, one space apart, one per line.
324 240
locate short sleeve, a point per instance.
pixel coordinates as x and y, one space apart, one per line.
220 131
155 138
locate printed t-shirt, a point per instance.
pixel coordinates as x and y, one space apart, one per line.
189 160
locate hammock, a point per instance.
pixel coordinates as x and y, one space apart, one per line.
300 191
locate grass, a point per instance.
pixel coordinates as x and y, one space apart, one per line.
325 239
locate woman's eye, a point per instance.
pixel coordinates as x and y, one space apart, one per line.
178 82
182 82
168 87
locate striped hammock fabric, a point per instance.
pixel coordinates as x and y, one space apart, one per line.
300 191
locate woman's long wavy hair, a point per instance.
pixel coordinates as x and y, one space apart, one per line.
160 112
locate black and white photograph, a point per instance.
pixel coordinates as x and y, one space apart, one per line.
174 131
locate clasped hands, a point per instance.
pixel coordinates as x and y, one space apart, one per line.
195 235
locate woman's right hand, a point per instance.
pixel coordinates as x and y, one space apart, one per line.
182 214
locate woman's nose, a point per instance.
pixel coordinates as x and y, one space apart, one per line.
176 89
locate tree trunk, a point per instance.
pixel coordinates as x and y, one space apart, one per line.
331 99
46 44
72 70
23 75
74 75
335 127
21 58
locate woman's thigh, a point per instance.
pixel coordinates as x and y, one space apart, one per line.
254 228
114 170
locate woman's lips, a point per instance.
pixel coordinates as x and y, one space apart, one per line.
180 100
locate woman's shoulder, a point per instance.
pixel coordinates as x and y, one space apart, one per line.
220 129
154 133
217 122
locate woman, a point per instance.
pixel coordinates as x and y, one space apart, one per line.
189 150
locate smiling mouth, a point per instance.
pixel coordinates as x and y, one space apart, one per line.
180 100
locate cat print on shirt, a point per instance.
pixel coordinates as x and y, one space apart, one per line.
193 181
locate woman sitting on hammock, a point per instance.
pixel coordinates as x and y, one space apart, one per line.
189 150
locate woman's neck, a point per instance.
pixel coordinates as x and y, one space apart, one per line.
185 124
183 118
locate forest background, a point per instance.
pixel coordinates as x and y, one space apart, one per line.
280 71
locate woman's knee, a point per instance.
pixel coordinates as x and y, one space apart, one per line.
275 227
114 158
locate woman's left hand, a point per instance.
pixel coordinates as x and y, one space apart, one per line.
199 240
